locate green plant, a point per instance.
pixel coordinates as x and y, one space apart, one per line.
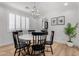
70 31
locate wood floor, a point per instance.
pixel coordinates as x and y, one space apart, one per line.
58 49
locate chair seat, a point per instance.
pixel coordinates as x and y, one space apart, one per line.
48 43
38 47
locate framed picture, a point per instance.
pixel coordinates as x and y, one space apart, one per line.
61 20
54 21
46 25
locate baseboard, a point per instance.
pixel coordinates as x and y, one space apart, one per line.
6 45
62 42
75 46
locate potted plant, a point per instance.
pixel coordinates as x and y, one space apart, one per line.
70 31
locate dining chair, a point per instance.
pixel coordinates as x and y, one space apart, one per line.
20 32
19 45
50 43
30 31
39 39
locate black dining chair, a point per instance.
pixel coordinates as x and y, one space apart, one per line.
30 31
19 44
50 43
20 32
39 39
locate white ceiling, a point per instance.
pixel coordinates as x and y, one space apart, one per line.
19 5
56 7
42 6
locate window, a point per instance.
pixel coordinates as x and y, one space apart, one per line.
17 22
18 26
11 21
23 22
27 23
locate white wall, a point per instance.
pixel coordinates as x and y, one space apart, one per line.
5 34
70 12
48 10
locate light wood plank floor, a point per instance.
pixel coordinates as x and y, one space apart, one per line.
58 49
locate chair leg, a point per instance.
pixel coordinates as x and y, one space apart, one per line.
44 53
32 52
19 52
15 52
22 52
25 51
28 50
51 49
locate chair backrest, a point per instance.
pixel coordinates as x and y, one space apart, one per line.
39 37
30 31
20 32
16 38
52 37
45 31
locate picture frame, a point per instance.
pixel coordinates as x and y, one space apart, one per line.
45 23
54 21
61 20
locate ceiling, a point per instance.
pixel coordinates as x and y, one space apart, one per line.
19 5
42 6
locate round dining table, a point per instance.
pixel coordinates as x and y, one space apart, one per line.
26 37
30 37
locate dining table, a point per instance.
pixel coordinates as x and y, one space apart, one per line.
26 37
29 37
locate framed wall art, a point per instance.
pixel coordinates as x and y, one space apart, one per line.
54 21
44 23
61 20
